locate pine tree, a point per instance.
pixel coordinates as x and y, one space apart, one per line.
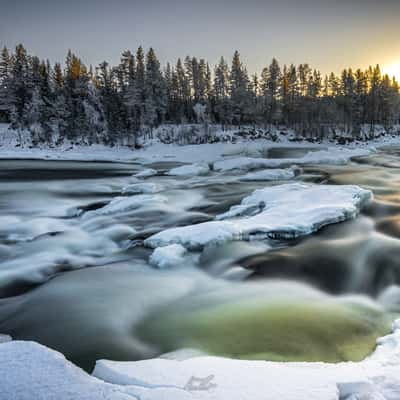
239 86
155 93
5 85
221 93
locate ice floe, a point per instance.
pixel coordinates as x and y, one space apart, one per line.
190 170
284 211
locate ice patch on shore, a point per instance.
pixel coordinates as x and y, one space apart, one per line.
284 211
190 170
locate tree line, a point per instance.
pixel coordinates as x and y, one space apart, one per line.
117 104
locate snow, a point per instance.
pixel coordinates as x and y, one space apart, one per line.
140 188
190 170
31 371
284 211
168 256
271 175
146 173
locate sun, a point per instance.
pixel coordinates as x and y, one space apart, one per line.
393 70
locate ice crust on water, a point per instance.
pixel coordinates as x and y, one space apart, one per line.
142 188
168 256
146 173
190 170
31 371
123 204
336 156
284 211
271 175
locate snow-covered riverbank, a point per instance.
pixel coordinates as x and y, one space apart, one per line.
326 151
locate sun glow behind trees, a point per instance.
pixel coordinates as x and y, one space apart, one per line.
393 70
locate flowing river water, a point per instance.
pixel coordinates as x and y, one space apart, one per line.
80 281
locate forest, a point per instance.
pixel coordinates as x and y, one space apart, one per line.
119 104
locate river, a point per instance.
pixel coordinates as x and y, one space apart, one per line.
79 281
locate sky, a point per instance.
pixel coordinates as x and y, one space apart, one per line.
329 35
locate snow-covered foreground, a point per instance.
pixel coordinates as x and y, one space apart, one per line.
31 371
284 211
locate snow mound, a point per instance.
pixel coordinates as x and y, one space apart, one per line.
284 211
168 256
271 175
146 173
125 204
335 156
142 188
190 170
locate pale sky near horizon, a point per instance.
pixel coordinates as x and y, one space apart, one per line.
329 35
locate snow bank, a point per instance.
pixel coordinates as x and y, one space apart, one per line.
168 256
284 211
190 170
141 188
336 156
271 175
146 173
31 371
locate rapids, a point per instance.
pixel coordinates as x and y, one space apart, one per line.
75 274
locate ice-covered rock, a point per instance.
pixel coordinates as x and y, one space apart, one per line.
168 256
190 170
284 211
146 173
142 188
271 175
